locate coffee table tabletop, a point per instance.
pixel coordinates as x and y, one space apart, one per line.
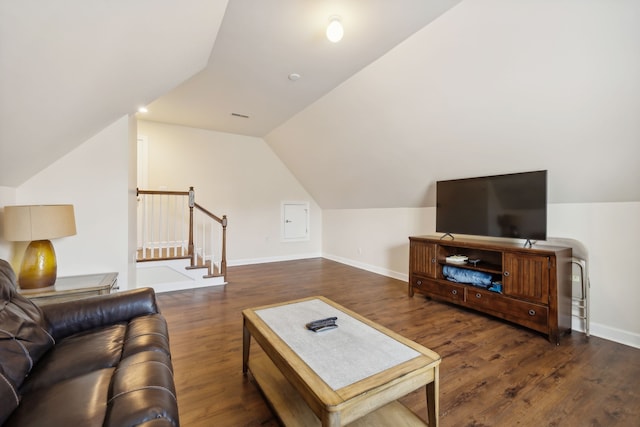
342 374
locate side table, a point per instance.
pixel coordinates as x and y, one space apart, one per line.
74 287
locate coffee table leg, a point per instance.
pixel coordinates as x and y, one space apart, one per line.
330 419
433 404
246 343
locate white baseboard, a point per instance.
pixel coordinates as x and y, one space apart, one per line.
368 267
614 334
249 261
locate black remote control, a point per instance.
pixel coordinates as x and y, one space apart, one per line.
324 328
322 324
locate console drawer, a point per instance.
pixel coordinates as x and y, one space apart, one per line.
534 316
444 291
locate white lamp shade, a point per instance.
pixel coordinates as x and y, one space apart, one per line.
38 222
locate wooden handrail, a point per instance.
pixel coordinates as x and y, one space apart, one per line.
162 192
223 222
209 214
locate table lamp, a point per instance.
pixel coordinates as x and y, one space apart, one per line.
37 224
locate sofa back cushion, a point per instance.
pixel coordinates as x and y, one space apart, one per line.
23 339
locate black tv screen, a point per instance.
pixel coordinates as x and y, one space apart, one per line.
512 205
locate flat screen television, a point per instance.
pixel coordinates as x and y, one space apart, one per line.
511 205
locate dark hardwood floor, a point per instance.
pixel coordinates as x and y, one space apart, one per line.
492 373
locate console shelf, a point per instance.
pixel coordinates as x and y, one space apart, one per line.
481 266
535 282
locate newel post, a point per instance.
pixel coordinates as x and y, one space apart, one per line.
192 202
223 257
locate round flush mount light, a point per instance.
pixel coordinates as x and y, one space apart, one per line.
335 31
293 77
143 110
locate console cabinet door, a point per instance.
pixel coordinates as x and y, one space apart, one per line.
423 258
527 277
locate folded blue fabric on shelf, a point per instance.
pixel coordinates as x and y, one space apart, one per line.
496 287
462 275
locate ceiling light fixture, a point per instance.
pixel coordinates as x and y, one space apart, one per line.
335 31
143 110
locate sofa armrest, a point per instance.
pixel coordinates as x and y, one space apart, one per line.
70 317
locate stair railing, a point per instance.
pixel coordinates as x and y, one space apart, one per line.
171 225
210 239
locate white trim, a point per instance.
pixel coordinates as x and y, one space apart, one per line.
369 267
614 334
307 235
249 261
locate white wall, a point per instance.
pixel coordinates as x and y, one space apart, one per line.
233 175
545 85
132 202
7 197
490 87
608 231
93 178
374 239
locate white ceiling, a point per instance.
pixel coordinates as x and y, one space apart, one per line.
411 95
71 67
261 42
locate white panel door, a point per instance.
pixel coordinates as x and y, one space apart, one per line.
295 221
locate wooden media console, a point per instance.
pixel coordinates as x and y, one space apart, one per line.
530 286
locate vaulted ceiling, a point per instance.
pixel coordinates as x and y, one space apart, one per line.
70 68
417 90
261 43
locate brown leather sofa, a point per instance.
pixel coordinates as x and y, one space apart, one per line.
101 361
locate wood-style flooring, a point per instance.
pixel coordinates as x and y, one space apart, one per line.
492 373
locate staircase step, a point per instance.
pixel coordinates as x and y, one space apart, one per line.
161 259
177 278
196 267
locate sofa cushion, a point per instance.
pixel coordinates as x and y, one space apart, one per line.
77 355
147 333
76 402
145 357
23 339
9 397
148 378
140 406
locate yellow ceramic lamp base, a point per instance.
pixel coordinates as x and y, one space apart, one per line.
39 266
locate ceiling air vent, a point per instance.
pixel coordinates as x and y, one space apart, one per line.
240 115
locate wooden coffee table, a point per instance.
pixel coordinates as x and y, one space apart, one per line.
352 374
